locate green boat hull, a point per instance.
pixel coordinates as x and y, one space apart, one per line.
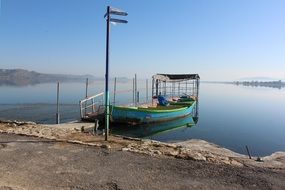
137 115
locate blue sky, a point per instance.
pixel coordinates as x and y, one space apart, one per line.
219 39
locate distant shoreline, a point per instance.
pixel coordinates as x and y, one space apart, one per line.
21 77
272 84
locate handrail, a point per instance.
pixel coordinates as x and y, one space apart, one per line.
91 105
91 97
84 104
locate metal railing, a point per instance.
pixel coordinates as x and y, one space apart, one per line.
92 105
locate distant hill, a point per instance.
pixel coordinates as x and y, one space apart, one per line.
21 77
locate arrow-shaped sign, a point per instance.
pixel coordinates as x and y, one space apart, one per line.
118 20
116 11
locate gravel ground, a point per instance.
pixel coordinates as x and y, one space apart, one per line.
35 163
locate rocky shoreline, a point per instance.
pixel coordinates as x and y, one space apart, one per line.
191 150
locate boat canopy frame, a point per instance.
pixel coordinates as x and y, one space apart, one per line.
175 85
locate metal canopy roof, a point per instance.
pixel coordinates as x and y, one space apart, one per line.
176 77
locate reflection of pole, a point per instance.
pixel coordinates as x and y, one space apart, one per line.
57 105
115 88
107 102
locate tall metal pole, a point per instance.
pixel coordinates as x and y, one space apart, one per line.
156 88
107 102
115 89
179 89
172 89
133 91
136 90
186 88
164 88
197 96
86 95
57 105
193 88
86 88
152 90
146 91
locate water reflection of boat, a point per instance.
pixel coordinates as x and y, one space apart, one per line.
145 130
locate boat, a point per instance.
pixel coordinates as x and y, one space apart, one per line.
149 114
162 108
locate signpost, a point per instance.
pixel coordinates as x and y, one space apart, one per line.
110 11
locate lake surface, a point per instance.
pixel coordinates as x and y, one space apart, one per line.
230 116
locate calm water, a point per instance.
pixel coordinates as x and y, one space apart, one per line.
230 116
